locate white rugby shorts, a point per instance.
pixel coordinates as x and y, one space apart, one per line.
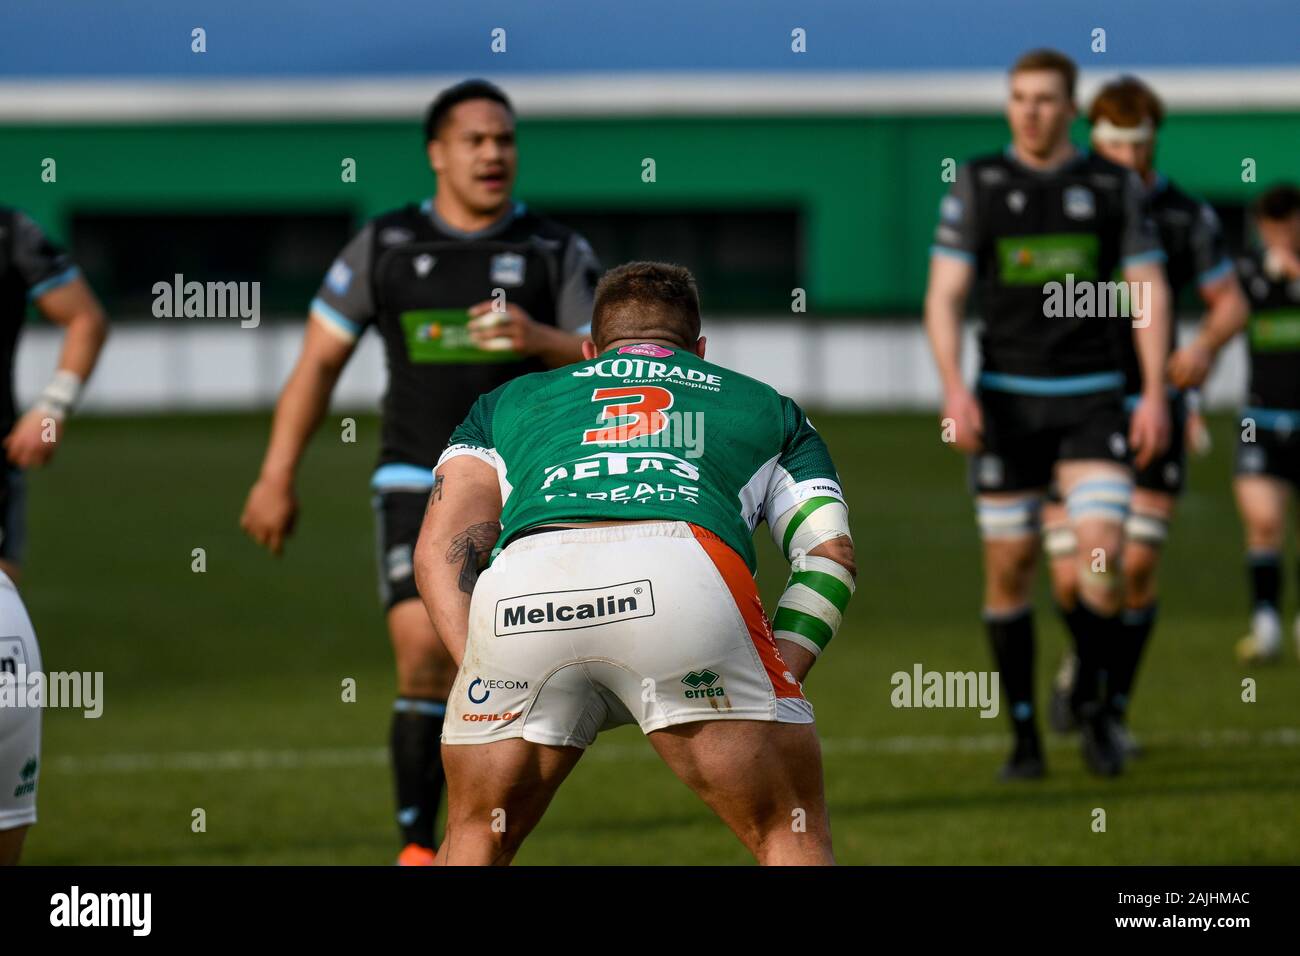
578 630
20 727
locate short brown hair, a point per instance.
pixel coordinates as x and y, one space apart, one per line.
1126 102
1052 61
646 300
1278 203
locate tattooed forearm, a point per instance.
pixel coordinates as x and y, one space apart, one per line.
471 549
435 494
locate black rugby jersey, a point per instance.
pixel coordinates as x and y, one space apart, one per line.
30 266
1195 253
1022 229
1273 332
412 277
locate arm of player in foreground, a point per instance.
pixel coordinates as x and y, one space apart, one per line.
72 306
271 508
461 524
826 577
1149 431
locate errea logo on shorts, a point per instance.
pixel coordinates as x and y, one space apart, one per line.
570 610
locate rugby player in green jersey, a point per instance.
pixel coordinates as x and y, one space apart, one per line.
613 504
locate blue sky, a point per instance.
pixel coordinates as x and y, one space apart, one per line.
304 38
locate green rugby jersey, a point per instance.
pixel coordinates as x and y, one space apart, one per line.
645 432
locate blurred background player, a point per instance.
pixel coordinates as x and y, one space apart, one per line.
1268 454
468 290
33 269
20 727
683 648
1126 116
1049 405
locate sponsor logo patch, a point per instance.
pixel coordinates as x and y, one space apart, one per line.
570 610
508 715
646 348
480 690
703 684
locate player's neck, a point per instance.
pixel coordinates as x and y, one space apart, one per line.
462 218
662 343
1058 155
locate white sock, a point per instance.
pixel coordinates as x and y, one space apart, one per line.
1266 626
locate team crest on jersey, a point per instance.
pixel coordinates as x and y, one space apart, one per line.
1016 201
1079 203
339 277
507 268
423 264
646 348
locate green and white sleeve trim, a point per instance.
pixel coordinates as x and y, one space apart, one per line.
812 607
801 515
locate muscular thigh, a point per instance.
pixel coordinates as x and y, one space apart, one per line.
749 772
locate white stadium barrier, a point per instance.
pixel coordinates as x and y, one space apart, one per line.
822 363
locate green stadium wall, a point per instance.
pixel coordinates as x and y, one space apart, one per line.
867 186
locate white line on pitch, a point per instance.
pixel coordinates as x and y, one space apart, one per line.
243 760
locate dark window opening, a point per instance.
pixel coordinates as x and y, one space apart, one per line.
744 260
123 255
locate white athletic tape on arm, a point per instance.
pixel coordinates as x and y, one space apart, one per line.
474 451
812 607
809 524
60 396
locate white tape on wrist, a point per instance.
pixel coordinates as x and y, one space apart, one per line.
60 396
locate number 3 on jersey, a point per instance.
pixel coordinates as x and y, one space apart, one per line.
646 414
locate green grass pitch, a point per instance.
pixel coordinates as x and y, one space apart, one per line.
223 688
